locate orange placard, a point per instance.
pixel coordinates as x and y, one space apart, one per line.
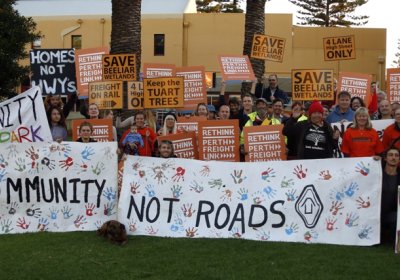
163 92
102 129
119 67
107 95
189 123
264 143
185 144
135 95
356 84
89 68
339 48
236 67
393 84
194 85
219 140
157 70
312 84
268 47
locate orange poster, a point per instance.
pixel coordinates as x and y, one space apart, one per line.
311 84
107 95
194 85
102 129
268 47
119 67
189 123
163 93
236 67
356 84
219 140
339 48
264 143
135 95
158 70
185 144
89 68
393 84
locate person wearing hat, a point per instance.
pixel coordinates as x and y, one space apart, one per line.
169 126
315 137
211 112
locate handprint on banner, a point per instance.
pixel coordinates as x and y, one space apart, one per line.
89 209
310 235
365 232
98 224
12 151
237 176
20 165
176 191
108 153
66 163
177 226
268 174
6 226
269 191
325 175
291 195
216 183
286 183
243 194
235 233
330 222
361 203
110 194
264 236
49 163
43 224
81 168
191 232
62 149
336 207
66 211
13 208
53 213
33 212
134 188
137 164
150 191
22 223
132 227
180 172
336 195
108 209
33 155
159 174
299 172
351 219
98 168
187 210
351 189
87 153
227 195
291 229
258 197
142 173
3 162
194 186
3 173
79 221
362 169
205 171
150 230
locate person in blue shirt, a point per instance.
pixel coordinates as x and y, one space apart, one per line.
342 111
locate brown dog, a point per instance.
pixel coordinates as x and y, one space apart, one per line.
113 231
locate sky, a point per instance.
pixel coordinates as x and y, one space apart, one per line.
382 14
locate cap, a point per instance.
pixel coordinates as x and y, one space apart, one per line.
315 107
261 100
170 114
211 108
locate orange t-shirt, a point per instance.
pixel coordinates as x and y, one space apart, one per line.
361 143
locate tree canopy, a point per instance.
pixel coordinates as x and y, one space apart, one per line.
16 32
218 6
330 13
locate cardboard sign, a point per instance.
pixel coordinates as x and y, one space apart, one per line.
102 129
89 68
185 144
23 118
53 70
219 140
312 85
264 143
356 84
268 47
393 84
236 67
163 92
107 95
157 70
194 85
189 123
135 95
119 67
339 48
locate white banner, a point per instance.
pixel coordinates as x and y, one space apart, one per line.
23 118
57 187
334 201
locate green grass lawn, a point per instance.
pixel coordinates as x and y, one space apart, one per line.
83 255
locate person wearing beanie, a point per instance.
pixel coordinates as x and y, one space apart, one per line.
315 137
169 126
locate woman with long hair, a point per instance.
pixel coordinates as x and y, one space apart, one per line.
57 124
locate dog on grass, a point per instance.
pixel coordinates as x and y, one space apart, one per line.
113 231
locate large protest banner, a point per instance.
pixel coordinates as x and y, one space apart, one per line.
119 67
264 143
102 129
219 140
236 67
163 92
57 187
185 144
53 70
356 84
312 84
268 47
23 118
339 48
194 85
135 95
393 84
158 70
89 68
107 95
334 201
189 123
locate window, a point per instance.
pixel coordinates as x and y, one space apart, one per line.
159 44
76 42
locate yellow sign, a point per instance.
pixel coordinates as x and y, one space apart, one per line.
268 47
340 48
163 92
135 95
119 67
107 95
312 85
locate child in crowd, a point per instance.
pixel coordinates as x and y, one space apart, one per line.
132 142
57 124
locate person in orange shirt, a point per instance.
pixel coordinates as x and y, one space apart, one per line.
361 140
391 134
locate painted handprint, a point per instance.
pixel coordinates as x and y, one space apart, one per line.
53 213
336 195
89 209
292 228
205 171
286 183
291 195
269 191
362 169
66 163
79 221
178 223
194 186
264 236
235 233
108 209
191 232
12 151
361 203
227 195
42 224
98 168
299 172
3 162
365 232
20 165
150 191
330 222
108 153
32 153
132 226
81 167
237 176
336 207
87 153
49 163
243 194
187 210
159 174
176 191
258 197
180 172
351 219
310 235
134 188
268 174
22 223
33 212
98 224
216 183
6 226
66 211
325 175
3 173
150 230
13 208
110 194
350 190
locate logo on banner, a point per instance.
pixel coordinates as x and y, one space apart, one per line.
309 206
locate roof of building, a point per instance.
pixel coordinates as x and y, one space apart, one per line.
37 8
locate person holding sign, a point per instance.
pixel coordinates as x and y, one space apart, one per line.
342 111
272 91
391 134
169 126
85 133
360 139
201 110
166 149
55 100
57 124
